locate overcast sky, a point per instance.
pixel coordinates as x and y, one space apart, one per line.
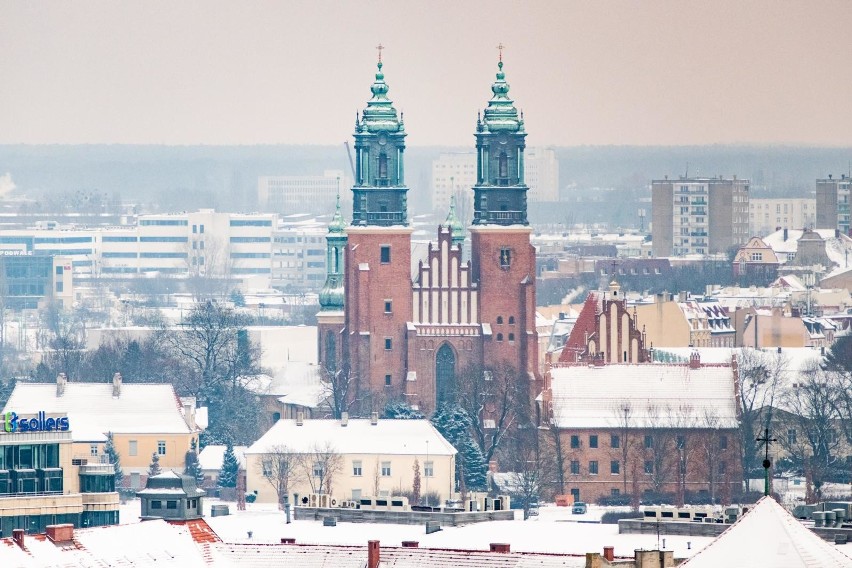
238 72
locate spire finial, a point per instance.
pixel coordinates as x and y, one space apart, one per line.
500 48
379 48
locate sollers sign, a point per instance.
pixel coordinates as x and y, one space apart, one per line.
39 422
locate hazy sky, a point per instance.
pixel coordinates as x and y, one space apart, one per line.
247 72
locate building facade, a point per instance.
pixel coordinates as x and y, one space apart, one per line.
699 215
832 203
769 215
410 341
300 194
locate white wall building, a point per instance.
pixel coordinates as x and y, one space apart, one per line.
768 215
541 170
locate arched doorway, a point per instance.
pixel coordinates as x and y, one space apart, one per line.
445 373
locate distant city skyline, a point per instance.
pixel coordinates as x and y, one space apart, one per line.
620 73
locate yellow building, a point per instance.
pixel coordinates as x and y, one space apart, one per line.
350 459
40 483
144 419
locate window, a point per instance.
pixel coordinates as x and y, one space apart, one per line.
499 337
93 449
593 441
499 320
384 254
511 337
429 469
156 504
505 257
59 287
247 223
171 504
388 343
791 436
575 441
575 467
614 441
161 447
681 442
756 256
317 470
649 467
593 467
194 229
575 494
614 467
387 380
386 469
723 442
164 222
201 228
723 468
511 320
356 468
615 492
356 494
132 448
59 270
388 306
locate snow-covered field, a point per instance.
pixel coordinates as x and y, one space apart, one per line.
555 529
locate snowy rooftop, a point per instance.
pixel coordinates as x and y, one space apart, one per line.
658 395
211 457
359 436
93 411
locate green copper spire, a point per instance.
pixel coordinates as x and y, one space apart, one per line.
338 224
380 115
501 114
453 223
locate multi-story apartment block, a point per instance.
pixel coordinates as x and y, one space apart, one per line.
185 244
298 258
768 215
300 194
832 203
698 215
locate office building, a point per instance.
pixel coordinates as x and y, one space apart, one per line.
699 215
300 194
832 203
769 215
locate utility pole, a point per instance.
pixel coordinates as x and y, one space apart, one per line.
766 440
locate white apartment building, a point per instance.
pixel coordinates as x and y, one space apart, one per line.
299 257
301 194
768 215
203 242
455 174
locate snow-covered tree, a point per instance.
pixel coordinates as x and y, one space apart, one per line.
454 424
115 459
230 468
154 468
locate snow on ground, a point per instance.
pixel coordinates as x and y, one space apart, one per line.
554 530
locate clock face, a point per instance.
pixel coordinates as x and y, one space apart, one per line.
503 139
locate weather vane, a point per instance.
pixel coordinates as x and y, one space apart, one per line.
379 48
500 48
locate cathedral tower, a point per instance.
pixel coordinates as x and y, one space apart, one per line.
378 254
503 260
331 297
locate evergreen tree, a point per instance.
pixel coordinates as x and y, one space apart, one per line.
454 424
154 468
193 466
230 468
401 411
115 459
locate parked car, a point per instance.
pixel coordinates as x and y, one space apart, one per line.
579 508
533 509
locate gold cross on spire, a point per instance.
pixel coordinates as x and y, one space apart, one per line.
500 48
380 47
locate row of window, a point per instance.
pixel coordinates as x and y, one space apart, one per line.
384 469
615 467
164 222
615 441
132 448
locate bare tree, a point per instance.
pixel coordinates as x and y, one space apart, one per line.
708 446
339 391
208 267
279 468
624 426
320 466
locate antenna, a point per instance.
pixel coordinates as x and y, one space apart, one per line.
686 175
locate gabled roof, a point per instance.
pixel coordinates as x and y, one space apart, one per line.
769 536
93 411
658 395
359 436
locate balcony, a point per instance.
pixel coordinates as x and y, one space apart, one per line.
501 217
385 218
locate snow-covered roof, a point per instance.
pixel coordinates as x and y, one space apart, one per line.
658 395
359 436
211 457
769 536
93 411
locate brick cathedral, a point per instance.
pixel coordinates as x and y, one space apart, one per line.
405 332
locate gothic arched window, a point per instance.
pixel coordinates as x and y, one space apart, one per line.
445 373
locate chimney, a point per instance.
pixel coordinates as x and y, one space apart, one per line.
116 385
410 544
785 234
593 560
609 553
695 360
372 554
374 418
18 537
682 296
61 379
60 533
502 547
344 419
300 418
288 540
